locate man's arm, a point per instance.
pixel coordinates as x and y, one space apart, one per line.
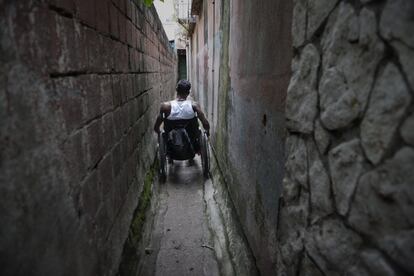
202 117
158 121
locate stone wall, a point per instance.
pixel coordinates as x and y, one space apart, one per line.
80 84
240 70
348 196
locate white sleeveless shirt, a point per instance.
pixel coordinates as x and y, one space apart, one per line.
181 110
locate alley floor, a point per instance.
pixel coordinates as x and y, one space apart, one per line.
185 244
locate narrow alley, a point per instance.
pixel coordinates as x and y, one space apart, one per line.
186 246
192 229
305 116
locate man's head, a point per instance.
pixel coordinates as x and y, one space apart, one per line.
183 88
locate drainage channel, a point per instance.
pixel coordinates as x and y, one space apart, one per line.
190 228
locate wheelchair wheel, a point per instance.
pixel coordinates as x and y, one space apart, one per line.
205 155
162 157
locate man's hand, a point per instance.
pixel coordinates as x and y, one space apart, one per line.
202 118
165 109
158 124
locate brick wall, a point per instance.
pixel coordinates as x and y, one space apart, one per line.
80 84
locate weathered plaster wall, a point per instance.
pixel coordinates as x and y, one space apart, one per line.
240 72
80 83
348 191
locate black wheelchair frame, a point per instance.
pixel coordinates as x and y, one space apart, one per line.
163 154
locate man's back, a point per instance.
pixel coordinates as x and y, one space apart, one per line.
181 110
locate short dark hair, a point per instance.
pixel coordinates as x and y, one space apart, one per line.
183 87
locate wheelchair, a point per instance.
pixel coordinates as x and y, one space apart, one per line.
165 154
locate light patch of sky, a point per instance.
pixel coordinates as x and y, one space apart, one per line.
166 12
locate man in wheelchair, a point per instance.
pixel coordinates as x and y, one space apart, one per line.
180 121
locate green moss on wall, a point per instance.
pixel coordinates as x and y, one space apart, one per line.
224 84
130 254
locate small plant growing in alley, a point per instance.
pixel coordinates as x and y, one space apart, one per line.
148 3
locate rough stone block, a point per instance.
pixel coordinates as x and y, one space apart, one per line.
322 137
302 97
334 248
346 164
407 130
339 102
406 57
397 21
319 185
296 161
317 12
377 264
351 45
383 207
388 104
291 189
291 232
308 267
396 26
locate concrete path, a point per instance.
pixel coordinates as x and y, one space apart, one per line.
185 246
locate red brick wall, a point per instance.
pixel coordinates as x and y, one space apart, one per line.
79 89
